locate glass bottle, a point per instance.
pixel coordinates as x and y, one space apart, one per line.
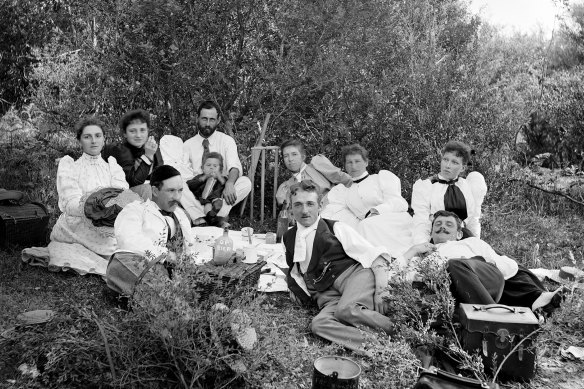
223 249
282 222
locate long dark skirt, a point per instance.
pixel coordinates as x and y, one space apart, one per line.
522 289
475 281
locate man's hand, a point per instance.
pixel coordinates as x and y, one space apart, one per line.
150 148
229 193
381 276
379 299
419 250
424 248
294 298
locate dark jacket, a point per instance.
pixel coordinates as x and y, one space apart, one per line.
129 158
196 186
327 263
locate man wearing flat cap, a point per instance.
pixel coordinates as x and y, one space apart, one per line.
154 229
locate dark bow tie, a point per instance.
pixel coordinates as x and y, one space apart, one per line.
360 179
441 181
166 213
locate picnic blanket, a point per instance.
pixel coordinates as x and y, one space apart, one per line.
272 278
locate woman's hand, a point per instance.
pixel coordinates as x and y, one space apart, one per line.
150 148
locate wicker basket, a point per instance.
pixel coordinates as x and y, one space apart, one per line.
224 278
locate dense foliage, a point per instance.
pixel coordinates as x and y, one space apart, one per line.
399 77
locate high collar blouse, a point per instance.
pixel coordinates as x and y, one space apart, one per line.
83 176
428 198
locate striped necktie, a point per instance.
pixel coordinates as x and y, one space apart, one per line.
206 149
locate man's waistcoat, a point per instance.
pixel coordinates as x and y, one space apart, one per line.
328 259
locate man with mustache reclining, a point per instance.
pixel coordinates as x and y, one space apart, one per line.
479 275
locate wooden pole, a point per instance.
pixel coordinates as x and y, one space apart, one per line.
274 202
251 172
263 185
255 156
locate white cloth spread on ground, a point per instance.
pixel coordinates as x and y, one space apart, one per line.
428 198
272 281
392 228
75 243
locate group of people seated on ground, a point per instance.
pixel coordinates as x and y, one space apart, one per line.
352 230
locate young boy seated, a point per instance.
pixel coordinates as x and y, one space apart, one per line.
208 187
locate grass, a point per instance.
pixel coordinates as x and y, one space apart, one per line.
70 351
73 339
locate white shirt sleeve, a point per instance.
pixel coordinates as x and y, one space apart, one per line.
68 187
188 151
390 186
478 188
357 247
118 177
128 228
229 151
506 265
421 204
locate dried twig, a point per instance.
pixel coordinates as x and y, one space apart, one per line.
107 348
553 192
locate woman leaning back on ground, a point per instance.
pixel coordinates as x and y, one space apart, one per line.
373 204
449 191
75 242
139 154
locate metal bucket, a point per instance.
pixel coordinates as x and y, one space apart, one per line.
331 372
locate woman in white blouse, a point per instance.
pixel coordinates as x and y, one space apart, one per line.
448 191
372 204
75 242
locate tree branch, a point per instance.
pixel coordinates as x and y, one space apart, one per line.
554 192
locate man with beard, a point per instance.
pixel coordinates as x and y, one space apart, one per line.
208 140
479 275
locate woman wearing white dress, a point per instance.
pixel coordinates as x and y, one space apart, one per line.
448 191
372 204
75 242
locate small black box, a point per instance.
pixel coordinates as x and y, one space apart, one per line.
494 330
24 224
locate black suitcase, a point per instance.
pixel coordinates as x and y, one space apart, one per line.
24 224
494 331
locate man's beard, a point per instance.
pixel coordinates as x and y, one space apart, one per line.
206 131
